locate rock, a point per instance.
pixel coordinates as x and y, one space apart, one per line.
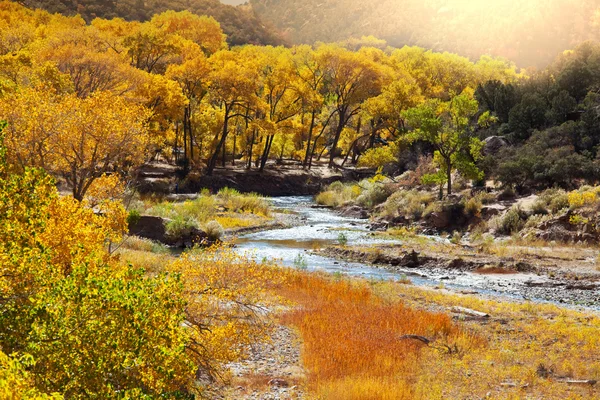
439 220
492 210
493 144
355 212
410 260
149 227
381 225
563 221
457 263
278 382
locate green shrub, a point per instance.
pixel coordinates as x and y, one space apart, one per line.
559 203
342 239
511 222
540 207
336 186
373 196
180 227
133 217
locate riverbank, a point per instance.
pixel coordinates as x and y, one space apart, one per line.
489 345
278 179
558 275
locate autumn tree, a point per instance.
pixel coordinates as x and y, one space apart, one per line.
350 79
234 84
79 139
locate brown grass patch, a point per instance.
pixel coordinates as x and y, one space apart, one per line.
352 346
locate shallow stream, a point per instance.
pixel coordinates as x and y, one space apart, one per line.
321 227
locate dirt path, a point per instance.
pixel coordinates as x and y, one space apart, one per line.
272 372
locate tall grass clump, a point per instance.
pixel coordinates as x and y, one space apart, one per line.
338 194
235 201
214 230
408 203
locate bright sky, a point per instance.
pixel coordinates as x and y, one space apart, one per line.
233 2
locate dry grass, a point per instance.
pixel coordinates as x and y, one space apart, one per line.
153 263
521 337
352 346
229 208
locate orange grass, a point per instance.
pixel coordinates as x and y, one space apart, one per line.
352 346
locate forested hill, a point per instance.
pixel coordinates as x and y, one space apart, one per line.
529 32
240 24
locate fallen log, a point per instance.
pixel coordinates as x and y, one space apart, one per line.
589 382
416 337
469 312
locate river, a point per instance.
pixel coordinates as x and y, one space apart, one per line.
321 227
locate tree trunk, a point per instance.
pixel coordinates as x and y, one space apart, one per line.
249 165
224 154
267 150
190 133
184 135
310 131
233 153
213 159
342 120
449 176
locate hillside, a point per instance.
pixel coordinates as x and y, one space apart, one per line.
240 24
528 32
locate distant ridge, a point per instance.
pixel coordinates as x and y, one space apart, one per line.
240 24
529 32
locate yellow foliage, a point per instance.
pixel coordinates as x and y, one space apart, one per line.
227 295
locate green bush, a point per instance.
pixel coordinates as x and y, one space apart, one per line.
540 207
559 203
133 217
180 227
511 222
373 196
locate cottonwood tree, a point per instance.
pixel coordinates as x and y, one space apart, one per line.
234 84
79 139
350 79
448 126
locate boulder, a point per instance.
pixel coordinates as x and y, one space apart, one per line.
154 228
491 210
149 227
439 220
355 212
493 144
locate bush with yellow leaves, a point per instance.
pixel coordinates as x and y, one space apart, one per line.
99 327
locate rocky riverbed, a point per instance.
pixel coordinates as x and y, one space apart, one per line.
555 275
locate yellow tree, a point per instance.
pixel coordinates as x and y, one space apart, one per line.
350 79
234 84
202 30
281 97
95 327
192 77
79 139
